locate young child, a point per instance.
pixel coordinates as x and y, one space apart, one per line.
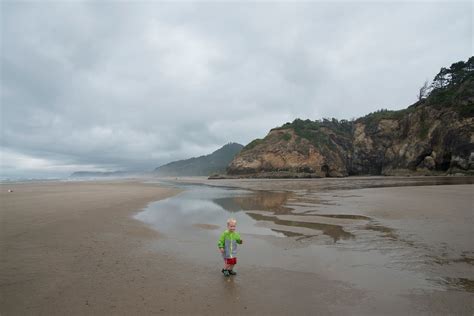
228 247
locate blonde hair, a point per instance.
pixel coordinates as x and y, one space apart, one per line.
231 220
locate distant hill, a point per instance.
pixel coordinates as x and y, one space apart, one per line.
201 166
434 136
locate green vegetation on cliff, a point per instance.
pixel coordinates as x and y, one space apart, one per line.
318 132
252 144
452 87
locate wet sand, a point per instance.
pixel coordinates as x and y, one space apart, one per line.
74 248
406 243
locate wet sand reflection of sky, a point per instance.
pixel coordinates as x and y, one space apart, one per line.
196 217
203 207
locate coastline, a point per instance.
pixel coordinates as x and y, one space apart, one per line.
327 183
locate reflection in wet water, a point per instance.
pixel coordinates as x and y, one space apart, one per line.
462 284
228 204
277 220
342 216
387 232
289 233
336 232
192 209
206 226
258 200
275 203
206 208
463 259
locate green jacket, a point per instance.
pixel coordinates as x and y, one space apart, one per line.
229 241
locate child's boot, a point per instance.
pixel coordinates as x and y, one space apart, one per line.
232 272
226 272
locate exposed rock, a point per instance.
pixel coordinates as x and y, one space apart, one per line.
285 154
428 163
433 136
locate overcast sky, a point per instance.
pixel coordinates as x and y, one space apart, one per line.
133 85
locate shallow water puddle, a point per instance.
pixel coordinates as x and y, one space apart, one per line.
336 232
201 207
298 232
206 208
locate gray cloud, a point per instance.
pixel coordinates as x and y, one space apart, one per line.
125 85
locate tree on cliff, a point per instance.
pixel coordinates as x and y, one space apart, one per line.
454 75
424 91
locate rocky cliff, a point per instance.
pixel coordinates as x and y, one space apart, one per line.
433 136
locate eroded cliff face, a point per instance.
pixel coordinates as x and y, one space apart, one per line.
425 141
282 153
433 136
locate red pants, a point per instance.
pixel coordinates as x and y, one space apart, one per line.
230 260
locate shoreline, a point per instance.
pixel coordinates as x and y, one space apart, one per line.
325 184
6 181
304 175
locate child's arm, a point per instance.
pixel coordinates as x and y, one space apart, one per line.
221 242
239 240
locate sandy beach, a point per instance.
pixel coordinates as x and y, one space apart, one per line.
75 248
71 248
